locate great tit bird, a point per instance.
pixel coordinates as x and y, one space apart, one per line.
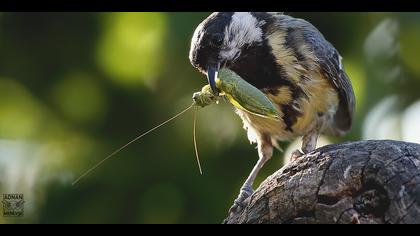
292 63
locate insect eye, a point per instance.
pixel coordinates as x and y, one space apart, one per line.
216 40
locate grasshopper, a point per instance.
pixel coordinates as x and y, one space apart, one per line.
240 93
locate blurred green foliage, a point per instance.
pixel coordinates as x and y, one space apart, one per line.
76 86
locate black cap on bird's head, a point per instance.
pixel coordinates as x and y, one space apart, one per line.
219 39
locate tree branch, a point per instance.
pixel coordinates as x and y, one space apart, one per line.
358 182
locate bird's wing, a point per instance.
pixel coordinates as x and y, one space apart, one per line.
333 69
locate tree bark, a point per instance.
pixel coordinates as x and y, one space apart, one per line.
357 182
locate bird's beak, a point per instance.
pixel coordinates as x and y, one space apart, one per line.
212 72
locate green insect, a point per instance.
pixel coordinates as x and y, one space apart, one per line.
205 97
240 93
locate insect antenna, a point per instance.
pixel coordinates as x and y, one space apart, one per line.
195 140
132 141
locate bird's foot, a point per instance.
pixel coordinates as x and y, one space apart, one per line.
295 155
242 200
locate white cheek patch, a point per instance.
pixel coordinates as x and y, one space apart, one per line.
244 29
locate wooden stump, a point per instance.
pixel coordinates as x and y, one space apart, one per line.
357 182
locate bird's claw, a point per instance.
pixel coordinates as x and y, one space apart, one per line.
242 200
295 155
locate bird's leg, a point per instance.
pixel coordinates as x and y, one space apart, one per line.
309 142
265 152
308 145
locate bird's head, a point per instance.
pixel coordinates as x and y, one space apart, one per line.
221 39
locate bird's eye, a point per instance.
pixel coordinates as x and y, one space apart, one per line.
216 40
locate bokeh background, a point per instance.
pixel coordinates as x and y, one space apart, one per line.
76 86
